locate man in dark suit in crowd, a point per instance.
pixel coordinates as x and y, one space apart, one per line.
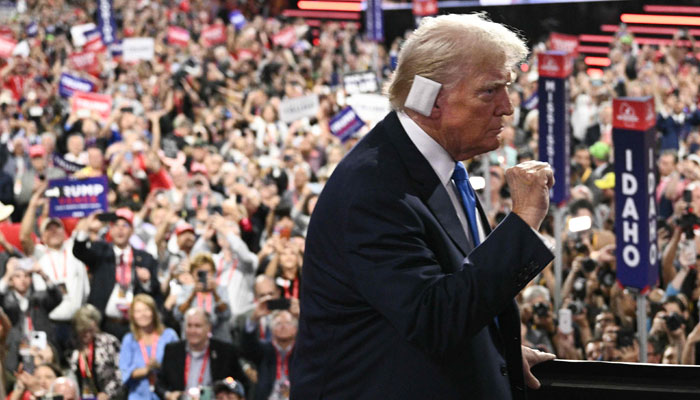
197 361
118 272
407 294
272 357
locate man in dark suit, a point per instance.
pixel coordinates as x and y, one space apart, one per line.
197 361
407 294
118 272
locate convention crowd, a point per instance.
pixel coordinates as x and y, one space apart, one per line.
210 192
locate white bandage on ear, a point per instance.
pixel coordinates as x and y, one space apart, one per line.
422 95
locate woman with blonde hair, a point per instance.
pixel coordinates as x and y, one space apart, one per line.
142 348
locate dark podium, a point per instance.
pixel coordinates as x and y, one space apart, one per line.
597 380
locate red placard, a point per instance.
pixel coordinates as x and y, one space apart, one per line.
92 102
84 60
178 36
286 37
636 114
7 45
422 8
214 34
565 43
554 64
95 45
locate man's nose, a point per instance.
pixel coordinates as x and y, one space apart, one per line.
505 106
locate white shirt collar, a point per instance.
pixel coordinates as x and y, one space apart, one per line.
438 158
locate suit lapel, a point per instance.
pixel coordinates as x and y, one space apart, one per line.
431 190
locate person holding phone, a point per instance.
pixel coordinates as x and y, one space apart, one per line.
272 358
142 348
207 295
31 386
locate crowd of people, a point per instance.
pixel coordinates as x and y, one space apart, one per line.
197 263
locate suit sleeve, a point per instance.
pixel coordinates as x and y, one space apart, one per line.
88 252
395 270
163 383
236 371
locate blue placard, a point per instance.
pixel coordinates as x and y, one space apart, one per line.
635 208
77 197
32 29
116 48
69 84
374 20
237 19
553 94
346 123
105 21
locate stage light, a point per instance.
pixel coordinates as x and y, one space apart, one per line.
595 38
593 49
329 5
660 19
597 61
671 9
321 14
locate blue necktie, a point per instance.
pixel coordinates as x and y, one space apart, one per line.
468 196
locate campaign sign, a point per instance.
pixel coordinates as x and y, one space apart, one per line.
345 124
105 21
635 203
285 38
137 49
67 166
32 29
298 107
77 197
77 33
214 34
7 46
554 64
237 19
374 20
178 36
553 105
94 42
361 82
69 84
422 8
84 60
565 43
372 108
92 103
116 49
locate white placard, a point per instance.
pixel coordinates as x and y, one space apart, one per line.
77 32
298 107
371 108
136 49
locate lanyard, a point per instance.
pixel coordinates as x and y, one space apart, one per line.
279 363
30 324
295 292
201 299
124 268
188 360
86 372
220 270
65 266
154 345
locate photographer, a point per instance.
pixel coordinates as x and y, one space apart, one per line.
271 358
28 309
205 294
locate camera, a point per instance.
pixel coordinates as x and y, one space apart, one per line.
541 309
588 265
579 287
606 277
688 220
576 307
673 321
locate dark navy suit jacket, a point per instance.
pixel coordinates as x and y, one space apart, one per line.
395 302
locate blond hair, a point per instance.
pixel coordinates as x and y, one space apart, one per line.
156 322
445 49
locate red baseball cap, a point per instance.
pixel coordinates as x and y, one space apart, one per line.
125 214
37 150
183 228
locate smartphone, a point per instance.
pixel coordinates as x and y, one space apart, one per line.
28 364
278 304
202 277
565 325
107 217
38 339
